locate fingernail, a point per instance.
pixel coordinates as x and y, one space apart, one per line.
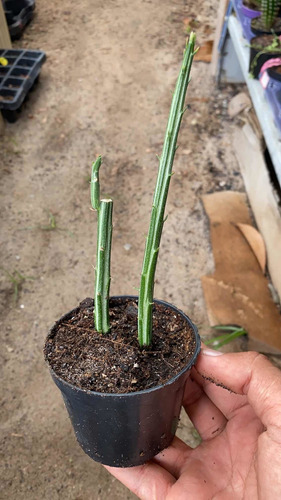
210 352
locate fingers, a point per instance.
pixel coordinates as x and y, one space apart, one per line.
149 481
174 457
203 413
225 401
249 374
154 479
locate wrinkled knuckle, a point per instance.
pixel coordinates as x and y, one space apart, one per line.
253 356
256 358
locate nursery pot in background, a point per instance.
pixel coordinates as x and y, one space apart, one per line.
245 15
125 430
258 55
258 28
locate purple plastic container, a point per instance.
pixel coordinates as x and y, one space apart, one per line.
245 16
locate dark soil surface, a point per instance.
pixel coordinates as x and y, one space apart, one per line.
276 69
258 24
114 362
250 5
262 41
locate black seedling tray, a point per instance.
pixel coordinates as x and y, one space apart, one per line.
18 14
17 78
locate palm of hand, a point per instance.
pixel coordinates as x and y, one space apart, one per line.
239 457
222 467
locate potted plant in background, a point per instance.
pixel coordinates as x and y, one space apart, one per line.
122 363
266 42
262 49
268 20
246 10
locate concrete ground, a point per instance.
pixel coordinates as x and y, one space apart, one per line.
105 89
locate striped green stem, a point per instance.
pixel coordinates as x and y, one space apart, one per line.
102 285
145 304
104 237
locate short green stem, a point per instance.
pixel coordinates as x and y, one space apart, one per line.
95 184
102 284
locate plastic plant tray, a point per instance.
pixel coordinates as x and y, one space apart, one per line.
18 14
18 76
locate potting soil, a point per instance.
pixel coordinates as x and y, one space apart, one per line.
114 362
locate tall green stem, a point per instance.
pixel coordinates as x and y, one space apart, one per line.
104 236
160 197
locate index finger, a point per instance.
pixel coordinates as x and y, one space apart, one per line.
249 374
146 481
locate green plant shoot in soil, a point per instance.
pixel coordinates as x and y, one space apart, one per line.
104 210
274 48
160 197
104 236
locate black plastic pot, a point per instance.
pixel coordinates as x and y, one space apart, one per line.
18 14
125 430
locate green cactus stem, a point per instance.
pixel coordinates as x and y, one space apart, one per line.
104 209
269 9
102 286
145 304
95 184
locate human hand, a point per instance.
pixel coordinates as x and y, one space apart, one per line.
239 421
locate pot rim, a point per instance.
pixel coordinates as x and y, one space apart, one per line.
144 391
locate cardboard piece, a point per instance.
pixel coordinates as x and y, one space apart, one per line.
204 53
256 243
262 197
238 103
237 292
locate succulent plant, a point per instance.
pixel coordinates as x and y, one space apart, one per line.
269 11
104 209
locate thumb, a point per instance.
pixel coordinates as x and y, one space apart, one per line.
249 374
